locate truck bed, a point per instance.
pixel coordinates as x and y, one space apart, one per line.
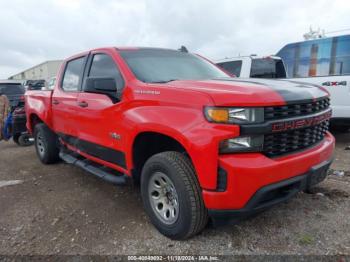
39 102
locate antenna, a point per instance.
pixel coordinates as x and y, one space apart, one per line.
314 34
183 49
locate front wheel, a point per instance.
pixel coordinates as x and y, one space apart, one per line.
46 144
172 196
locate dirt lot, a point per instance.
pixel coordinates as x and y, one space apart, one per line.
61 209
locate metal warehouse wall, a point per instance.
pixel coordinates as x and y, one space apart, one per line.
44 71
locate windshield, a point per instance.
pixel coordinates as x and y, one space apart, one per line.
267 68
11 89
160 66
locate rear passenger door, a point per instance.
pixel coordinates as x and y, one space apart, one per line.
99 115
64 99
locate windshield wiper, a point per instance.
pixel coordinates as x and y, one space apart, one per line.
163 81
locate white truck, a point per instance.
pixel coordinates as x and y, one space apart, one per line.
325 62
254 66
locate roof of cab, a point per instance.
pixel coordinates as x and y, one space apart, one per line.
122 48
228 59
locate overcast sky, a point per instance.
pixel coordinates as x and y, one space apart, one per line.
35 31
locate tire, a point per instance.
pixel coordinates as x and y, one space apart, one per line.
342 129
46 144
182 193
16 138
339 128
25 140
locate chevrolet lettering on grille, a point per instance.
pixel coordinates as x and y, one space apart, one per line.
301 123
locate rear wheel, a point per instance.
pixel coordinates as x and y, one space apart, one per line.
172 196
46 144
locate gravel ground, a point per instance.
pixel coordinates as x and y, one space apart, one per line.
60 209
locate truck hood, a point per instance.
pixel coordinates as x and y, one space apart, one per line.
254 92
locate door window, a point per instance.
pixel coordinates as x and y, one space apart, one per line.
104 66
267 68
233 67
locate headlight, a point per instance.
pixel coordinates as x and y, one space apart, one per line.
231 115
242 144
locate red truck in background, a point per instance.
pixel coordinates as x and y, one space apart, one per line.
200 143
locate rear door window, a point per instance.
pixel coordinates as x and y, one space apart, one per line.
267 68
73 75
233 67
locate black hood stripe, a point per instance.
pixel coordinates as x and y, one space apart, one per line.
291 91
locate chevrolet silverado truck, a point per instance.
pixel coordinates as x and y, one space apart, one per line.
202 145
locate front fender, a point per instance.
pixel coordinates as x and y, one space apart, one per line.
189 128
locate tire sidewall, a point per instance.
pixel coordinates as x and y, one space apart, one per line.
183 222
40 130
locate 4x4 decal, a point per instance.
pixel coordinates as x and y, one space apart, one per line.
334 83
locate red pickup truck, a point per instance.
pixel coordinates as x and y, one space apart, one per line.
200 143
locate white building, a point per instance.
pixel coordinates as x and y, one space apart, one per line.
44 71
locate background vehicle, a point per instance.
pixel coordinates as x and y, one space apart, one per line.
13 90
19 130
34 84
199 142
254 66
15 124
325 62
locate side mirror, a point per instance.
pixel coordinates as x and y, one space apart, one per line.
102 85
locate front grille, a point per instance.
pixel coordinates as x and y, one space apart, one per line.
302 109
288 142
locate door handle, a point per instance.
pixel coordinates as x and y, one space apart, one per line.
55 102
83 104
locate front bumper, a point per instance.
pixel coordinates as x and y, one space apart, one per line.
249 173
272 194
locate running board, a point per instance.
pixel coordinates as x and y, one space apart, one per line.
93 168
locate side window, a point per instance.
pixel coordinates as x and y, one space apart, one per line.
267 68
287 54
341 62
233 67
323 57
302 60
104 66
72 74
